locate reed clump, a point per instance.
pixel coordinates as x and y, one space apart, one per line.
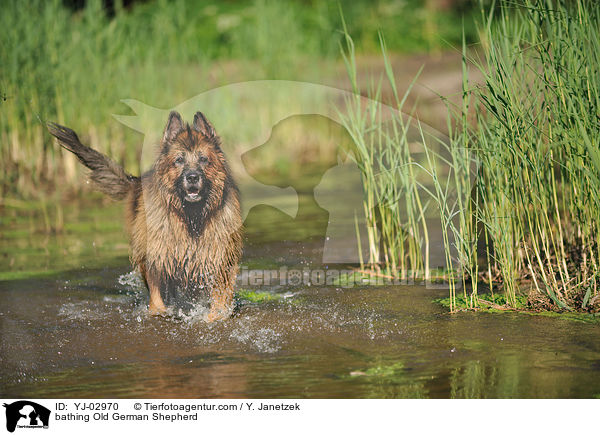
519 200
537 137
394 211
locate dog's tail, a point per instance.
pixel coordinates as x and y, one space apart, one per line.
107 175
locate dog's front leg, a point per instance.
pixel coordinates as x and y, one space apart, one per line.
221 305
156 306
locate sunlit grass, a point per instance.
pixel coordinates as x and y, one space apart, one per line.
538 147
522 159
75 67
397 234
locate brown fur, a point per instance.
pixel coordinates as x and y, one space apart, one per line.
179 246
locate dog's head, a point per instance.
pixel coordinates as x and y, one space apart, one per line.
191 165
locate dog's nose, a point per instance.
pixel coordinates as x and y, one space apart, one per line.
192 177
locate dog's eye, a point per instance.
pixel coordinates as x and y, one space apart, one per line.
179 160
203 159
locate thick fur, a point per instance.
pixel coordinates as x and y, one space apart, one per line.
182 247
109 177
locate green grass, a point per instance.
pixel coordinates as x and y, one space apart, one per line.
537 139
75 67
462 303
390 371
503 305
398 243
410 175
520 171
257 297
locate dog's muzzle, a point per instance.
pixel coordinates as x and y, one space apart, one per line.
192 185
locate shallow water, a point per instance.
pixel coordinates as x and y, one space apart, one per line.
84 331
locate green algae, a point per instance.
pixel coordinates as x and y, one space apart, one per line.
498 304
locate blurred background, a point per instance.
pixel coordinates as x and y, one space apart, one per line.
73 62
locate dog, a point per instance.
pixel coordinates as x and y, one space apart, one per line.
183 214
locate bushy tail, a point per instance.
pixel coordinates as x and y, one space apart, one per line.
108 176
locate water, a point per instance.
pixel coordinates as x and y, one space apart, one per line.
77 327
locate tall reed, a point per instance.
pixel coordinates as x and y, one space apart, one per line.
396 225
522 159
539 145
534 138
456 196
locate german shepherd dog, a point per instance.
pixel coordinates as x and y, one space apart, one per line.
183 215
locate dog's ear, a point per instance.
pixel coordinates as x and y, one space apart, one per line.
174 126
203 126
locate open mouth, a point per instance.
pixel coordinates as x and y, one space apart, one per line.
193 196
192 187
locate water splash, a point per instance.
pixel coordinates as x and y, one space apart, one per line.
83 311
264 340
132 280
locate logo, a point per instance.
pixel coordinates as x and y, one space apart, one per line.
288 121
26 414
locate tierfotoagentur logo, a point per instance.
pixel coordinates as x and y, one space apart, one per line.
291 277
25 414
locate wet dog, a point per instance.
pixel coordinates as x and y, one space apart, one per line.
183 215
